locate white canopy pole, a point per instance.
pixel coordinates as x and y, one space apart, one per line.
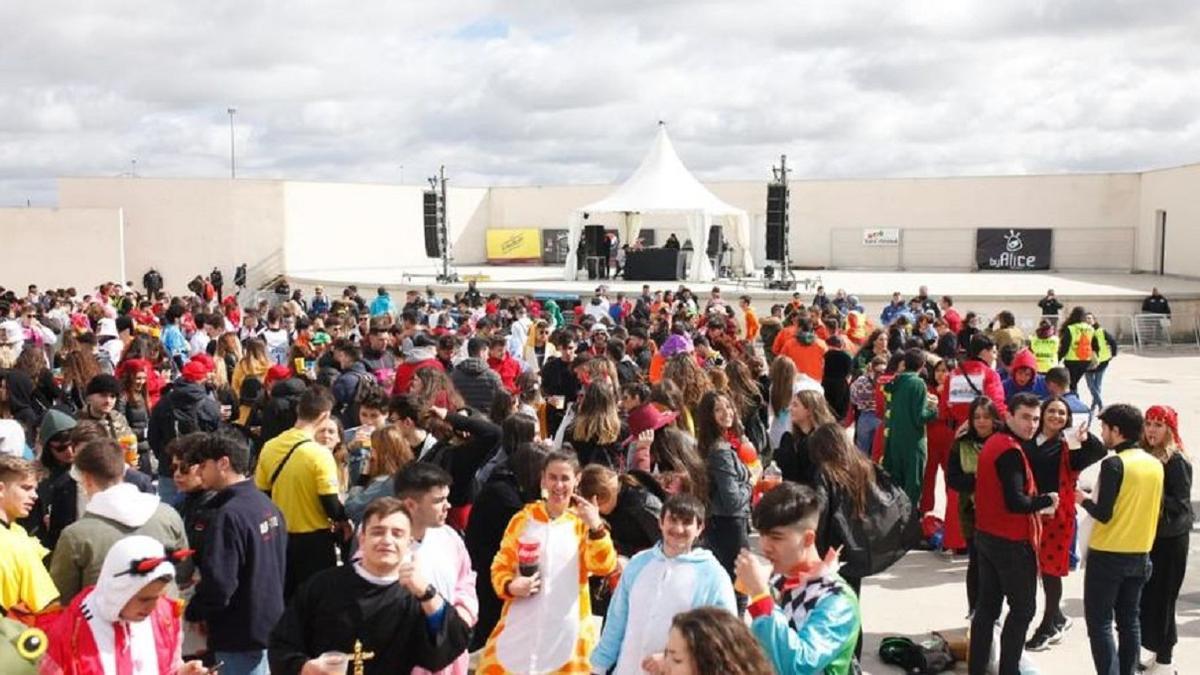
574 227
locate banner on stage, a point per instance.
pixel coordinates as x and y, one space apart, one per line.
881 236
1013 249
510 246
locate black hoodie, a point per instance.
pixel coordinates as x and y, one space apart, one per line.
186 407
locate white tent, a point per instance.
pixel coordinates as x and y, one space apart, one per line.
662 184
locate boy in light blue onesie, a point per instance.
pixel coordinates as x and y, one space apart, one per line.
657 584
811 625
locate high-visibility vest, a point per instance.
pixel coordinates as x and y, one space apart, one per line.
1105 353
1080 348
1046 351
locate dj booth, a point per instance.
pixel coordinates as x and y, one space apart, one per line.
656 264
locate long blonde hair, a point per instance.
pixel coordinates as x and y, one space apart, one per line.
814 401
598 420
783 378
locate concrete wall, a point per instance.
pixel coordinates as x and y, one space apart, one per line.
821 209
185 227
335 226
1175 192
60 247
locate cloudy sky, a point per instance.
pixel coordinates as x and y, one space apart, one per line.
569 91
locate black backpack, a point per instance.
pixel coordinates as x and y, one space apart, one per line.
889 528
153 281
216 277
928 657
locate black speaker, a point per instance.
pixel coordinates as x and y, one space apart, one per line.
593 239
433 247
777 206
714 241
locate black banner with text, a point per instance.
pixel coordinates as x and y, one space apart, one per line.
1018 250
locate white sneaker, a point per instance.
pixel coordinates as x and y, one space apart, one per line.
1157 668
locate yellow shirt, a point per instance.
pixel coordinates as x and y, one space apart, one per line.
23 577
309 474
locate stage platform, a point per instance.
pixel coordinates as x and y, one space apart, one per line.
983 292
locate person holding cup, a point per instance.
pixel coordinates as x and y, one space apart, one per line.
378 615
565 536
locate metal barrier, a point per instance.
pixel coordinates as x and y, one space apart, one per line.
1151 331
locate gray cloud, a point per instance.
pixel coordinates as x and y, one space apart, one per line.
545 91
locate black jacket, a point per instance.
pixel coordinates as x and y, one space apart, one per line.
463 458
279 411
242 561
793 459
1176 516
186 407
476 382
498 501
634 521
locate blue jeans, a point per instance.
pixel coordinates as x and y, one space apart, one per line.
1095 381
243 663
1112 585
864 431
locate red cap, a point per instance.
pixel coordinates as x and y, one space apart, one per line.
194 371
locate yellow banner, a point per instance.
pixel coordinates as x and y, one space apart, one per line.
514 244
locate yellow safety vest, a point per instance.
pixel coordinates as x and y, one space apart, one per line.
1080 348
1135 513
1105 353
1046 351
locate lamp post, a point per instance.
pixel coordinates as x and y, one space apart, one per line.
232 164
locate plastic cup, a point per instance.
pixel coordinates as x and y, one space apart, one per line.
129 443
334 663
529 557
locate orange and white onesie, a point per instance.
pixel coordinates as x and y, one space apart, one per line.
552 631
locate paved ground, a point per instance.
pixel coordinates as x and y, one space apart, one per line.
924 592
866 284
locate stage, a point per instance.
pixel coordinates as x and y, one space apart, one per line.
1105 294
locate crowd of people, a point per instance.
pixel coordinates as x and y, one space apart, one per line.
314 484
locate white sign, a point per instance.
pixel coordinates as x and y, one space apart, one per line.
881 236
965 388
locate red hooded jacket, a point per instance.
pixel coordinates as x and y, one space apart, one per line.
972 378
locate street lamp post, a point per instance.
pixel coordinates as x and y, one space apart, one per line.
232 163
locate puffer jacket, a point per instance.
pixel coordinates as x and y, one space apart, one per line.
476 382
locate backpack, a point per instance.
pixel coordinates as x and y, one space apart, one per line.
888 529
367 385
925 658
217 278
153 281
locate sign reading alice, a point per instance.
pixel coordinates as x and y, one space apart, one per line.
881 236
1013 249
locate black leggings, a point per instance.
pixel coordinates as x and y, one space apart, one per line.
1052 615
1077 369
972 575
856 584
